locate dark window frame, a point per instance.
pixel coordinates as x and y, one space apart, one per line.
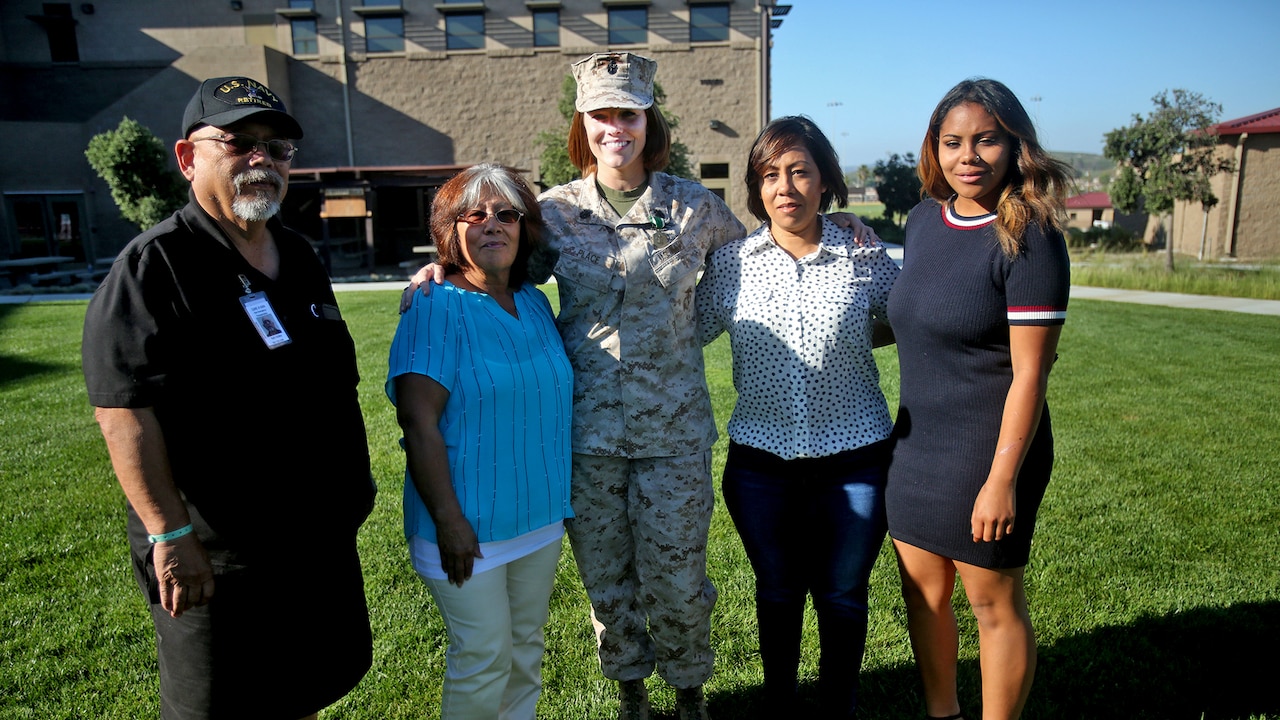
703 28
542 36
306 45
636 33
384 42
472 40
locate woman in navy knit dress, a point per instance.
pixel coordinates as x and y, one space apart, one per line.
977 313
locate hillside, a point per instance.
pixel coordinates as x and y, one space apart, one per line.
1093 172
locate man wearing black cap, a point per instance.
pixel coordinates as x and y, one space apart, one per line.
224 380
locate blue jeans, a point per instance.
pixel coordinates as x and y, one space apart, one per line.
811 526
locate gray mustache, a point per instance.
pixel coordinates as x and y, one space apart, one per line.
257 175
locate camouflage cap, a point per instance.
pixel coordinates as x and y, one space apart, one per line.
614 80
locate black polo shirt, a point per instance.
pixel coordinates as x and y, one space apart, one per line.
263 442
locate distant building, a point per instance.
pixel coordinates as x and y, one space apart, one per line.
863 195
1245 223
394 95
1094 209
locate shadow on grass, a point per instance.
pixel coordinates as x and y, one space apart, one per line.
1203 664
14 368
1210 662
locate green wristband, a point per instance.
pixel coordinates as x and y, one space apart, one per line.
172 535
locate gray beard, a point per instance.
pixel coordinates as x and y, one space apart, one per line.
256 207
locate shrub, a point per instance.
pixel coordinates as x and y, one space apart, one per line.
134 163
1076 238
886 229
1111 239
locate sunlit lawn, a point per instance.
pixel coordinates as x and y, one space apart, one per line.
1153 583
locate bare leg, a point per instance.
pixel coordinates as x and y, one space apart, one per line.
928 581
1006 640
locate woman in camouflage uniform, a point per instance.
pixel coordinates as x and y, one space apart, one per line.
631 240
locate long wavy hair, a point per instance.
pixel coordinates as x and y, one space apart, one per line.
1036 184
791 133
464 192
657 143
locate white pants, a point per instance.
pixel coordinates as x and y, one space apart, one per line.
494 621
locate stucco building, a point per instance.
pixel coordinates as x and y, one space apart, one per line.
394 97
1094 209
1245 224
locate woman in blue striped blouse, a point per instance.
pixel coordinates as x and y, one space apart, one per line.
483 391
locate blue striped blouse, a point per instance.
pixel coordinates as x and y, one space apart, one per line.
507 421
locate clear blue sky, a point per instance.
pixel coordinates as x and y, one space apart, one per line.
1093 64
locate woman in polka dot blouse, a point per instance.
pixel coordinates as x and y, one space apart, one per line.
804 481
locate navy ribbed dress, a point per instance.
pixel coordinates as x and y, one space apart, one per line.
951 310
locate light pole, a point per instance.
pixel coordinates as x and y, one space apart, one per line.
771 15
830 132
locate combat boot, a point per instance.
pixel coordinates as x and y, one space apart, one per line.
690 704
633 700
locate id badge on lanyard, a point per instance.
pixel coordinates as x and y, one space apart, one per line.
264 317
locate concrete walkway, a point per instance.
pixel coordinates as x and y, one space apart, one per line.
1078 292
1178 300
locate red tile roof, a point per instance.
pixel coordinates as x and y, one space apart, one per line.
1263 122
1090 200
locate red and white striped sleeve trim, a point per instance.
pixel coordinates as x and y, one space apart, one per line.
1037 315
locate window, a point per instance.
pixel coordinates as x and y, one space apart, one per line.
47 225
546 28
715 177
302 15
60 27
305 38
383 26
464 31
708 23
715 171
384 33
628 25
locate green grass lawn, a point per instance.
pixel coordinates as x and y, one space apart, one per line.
1154 583
865 210
1146 271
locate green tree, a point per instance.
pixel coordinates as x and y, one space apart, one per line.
863 175
554 158
898 185
1167 156
858 177
134 164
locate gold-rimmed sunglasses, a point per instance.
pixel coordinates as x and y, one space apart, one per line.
508 216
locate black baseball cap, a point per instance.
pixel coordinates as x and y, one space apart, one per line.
225 100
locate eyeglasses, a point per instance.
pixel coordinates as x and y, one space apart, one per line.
242 144
506 217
